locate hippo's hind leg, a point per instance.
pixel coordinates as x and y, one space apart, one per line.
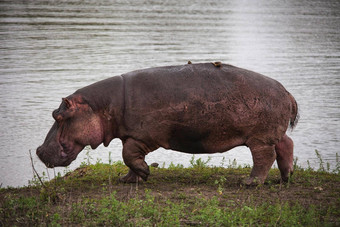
133 155
263 157
284 152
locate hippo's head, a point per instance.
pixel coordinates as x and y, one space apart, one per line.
76 125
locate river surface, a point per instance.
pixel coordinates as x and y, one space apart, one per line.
48 49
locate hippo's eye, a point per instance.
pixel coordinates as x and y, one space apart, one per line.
57 116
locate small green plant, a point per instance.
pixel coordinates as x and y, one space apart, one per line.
110 159
56 219
35 181
324 167
173 166
88 158
295 161
220 183
199 163
321 162
337 164
222 162
232 164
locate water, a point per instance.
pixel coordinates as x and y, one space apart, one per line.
48 49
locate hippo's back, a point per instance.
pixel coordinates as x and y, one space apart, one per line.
204 102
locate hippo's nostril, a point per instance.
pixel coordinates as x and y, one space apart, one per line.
38 152
63 154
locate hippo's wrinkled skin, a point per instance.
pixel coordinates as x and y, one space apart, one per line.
193 108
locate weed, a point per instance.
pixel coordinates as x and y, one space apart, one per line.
88 158
337 165
232 164
173 166
321 162
199 163
220 184
110 159
222 162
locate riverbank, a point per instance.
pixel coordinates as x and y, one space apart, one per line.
174 196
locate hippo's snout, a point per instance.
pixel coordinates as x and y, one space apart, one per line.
49 151
52 155
41 155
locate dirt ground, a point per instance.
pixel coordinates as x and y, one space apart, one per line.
306 188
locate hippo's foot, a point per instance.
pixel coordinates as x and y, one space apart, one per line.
286 175
284 158
131 177
252 181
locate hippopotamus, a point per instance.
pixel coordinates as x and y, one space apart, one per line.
200 108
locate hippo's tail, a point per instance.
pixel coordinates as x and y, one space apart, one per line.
294 117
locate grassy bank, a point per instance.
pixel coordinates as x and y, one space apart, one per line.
174 196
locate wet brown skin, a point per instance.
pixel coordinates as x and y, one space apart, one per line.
193 108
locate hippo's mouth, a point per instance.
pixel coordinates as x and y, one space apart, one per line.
60 157
67 154
63 161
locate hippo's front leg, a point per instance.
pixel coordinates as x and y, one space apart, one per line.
133 155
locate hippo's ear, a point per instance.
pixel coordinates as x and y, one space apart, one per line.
65 110
67 102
